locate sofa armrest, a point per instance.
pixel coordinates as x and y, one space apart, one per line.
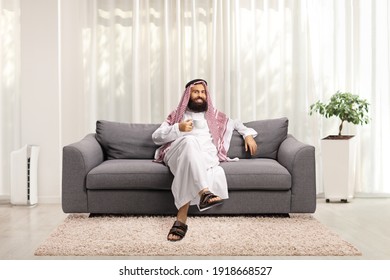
299 159
78 159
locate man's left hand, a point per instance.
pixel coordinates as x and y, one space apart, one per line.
250 144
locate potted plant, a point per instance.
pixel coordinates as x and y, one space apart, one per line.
339 151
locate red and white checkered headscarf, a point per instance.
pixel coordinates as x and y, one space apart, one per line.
216 120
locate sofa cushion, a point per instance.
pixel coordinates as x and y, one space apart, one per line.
138 174
126 140
271 133
257 174
135 174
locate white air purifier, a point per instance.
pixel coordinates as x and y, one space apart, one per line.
24 176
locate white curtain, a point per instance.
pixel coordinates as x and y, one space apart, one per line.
262 59
9 88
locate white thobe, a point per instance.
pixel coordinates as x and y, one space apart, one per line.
192 158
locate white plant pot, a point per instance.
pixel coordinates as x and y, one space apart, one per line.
339 168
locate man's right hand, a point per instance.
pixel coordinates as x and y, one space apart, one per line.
186 126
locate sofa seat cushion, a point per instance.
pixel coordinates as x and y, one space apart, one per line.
257 174
246 174
130 174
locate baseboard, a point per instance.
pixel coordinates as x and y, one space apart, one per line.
5 199
363 195
372 195
49 199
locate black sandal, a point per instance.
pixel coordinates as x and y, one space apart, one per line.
204 203
178 229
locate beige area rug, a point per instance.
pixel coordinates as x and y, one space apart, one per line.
299 235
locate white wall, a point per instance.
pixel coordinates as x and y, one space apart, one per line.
40 94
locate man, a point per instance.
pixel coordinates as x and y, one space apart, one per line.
195 138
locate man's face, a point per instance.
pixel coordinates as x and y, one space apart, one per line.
198 98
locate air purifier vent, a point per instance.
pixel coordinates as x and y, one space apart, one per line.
28 179
24 173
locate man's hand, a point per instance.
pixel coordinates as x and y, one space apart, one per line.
186 126
250 144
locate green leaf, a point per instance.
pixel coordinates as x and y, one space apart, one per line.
345 106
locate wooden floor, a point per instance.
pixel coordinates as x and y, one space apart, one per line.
364 222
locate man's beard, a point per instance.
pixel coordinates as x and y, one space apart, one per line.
197 107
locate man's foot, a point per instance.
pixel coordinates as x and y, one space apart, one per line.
208 200
178 231
179 228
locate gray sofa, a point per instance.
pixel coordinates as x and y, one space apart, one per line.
112 172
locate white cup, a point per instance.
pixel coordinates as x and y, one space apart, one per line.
199 123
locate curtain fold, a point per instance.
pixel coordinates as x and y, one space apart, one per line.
9 87
262 58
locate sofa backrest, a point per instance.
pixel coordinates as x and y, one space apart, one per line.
271 133
134 141
126 140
